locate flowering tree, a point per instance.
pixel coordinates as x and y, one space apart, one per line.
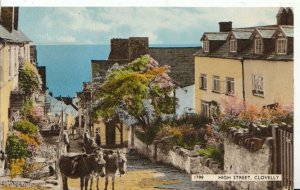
143 89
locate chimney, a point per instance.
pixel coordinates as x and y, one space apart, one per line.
225 26
290 16
9 18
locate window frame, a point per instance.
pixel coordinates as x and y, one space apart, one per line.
203 80
230 80
281 48
205 109
206 46
233 45
257 85
217 84
258 48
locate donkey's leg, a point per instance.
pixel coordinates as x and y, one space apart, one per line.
113 182
97 182
65 182
86 182
106 182
81 182
91 184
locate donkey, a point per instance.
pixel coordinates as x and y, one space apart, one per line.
115 161
88 142
81 166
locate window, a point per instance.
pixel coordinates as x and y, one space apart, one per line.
258 46
233 45
203 82
281 46
258 85
229 86
216 84
206 46
204 108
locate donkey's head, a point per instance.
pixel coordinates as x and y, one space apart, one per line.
100 162
121 161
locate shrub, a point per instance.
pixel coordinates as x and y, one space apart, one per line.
148 135
187 136
29 78
16 167
16 147
25 127
216 153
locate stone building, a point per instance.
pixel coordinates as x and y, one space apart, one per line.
254 64
14 49
180 59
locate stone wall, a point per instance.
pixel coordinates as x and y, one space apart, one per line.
178 157
245 159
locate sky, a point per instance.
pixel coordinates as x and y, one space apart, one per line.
163 25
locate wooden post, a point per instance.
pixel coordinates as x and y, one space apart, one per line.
281 156
275 154
292 161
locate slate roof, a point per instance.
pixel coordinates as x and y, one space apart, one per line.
14 36
180 60
266 33
215 35
241 35
244 34
287 30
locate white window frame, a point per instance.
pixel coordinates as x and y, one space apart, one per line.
206 46
230 86
216 87
233 45
281 46
258 46
258 85
203 82
204 108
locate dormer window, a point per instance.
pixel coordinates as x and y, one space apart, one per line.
206 46
281 46
233 45
258 44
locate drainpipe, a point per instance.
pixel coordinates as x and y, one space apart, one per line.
243 79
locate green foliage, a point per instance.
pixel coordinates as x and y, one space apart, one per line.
148 135
16 147
25 127
29 78
128 87
28 104
216 153
187 137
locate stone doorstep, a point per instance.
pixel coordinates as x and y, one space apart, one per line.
38 182
52 181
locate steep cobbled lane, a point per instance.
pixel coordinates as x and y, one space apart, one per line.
164 176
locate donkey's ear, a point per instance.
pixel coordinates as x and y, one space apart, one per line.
96 149
118 151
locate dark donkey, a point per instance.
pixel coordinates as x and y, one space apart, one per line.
81 166
115 161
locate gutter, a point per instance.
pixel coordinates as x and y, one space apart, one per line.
243 79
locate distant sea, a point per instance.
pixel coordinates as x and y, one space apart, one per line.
68 66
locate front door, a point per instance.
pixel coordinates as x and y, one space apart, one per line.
110 133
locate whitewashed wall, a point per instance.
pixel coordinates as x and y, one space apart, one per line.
185 99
